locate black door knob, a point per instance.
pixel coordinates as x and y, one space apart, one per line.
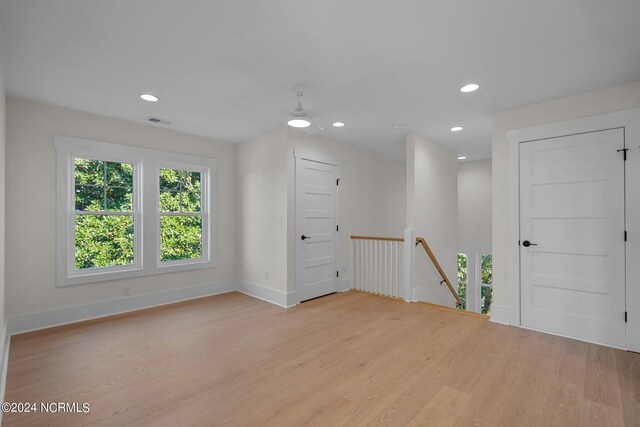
303 237
527 243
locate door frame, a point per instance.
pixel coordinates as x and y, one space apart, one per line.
629 121
314 156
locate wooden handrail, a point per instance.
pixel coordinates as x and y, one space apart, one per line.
432 257
386 239
435 262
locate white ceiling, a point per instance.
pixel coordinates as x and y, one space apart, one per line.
405 60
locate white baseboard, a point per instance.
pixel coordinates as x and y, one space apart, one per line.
344 284
65 315
501 314
273 296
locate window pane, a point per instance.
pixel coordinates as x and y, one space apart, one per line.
119 174
486 298
89 171
89 198
119 199
170 201
180 190
170 179
103 241
191 195
180 237
486 273
462 279
91 187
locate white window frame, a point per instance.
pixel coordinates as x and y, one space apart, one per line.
204 214
474 273
146 209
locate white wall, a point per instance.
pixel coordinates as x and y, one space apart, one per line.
372 193
474 202
3 314
262 211
432 208
30 201
588 104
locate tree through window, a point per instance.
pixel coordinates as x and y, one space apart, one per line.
180 214
104 217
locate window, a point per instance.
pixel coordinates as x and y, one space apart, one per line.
475 278
181 218
486 288
104 218
125 211
462 279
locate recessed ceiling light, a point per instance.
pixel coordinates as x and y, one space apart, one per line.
338 124
469 88
456 129
149 97
299 123
462 158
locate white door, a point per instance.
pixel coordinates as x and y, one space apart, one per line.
572 249
316 228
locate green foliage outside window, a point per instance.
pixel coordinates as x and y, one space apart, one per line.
486 292
103 240
462 280
180 235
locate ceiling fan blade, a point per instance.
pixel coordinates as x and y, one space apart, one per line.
335 102
256 109
313 129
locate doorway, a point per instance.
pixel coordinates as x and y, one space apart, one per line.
572 236
316 226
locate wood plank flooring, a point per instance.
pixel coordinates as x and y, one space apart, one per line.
347 359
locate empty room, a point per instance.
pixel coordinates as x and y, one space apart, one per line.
330 213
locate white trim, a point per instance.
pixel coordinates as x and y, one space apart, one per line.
630 121
62 316
270 295
314 156
501 314
146 212
344 284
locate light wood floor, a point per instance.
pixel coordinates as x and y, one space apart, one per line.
345 359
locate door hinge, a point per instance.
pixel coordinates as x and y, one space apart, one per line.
337 274
518 242
624 151
337 228
625 317
625 235
338 181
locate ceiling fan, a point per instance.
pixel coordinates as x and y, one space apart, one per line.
304 119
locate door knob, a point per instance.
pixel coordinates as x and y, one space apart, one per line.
527 243
303 237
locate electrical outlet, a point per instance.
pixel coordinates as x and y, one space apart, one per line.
126 291
266 275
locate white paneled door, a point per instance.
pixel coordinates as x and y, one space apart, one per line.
316 228
572 248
